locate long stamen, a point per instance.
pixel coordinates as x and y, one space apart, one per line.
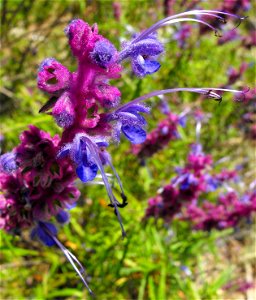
159 24
118 179
190 19
167 91
209 92
94 151
70 257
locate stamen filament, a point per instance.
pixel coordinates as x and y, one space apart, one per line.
204 91
161 23
70 257
117 176
189 19
94 152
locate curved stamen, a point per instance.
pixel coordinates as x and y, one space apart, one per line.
190 19
70 257
204 91
209 92
159 24
94 152
118 178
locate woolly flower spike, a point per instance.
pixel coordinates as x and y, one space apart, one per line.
8 162
143 55
52 76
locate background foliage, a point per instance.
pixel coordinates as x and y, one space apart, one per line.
147 264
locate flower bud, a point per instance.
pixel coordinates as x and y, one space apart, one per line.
81 37
104 53
52 76
63 111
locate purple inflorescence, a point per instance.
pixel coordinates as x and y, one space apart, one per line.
227 212
39 187
193 182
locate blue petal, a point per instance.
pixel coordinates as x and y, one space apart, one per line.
151 66
62 217
102 144
78 149
64 151
138 108
44 237
142 67
87 173
130 118
182 121
135 134
150 47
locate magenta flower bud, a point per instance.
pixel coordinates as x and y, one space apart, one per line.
63 111
52 76
81 37
107 95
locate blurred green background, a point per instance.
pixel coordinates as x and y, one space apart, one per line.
147 264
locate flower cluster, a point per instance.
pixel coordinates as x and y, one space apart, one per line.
38 176
227 212
35 186
191 182
182 197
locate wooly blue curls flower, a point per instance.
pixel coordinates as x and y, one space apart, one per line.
143 55
86 107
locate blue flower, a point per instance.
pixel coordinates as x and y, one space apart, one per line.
62 217
188 182
143 55
8 162
86 167
130 122
44 232
212 183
